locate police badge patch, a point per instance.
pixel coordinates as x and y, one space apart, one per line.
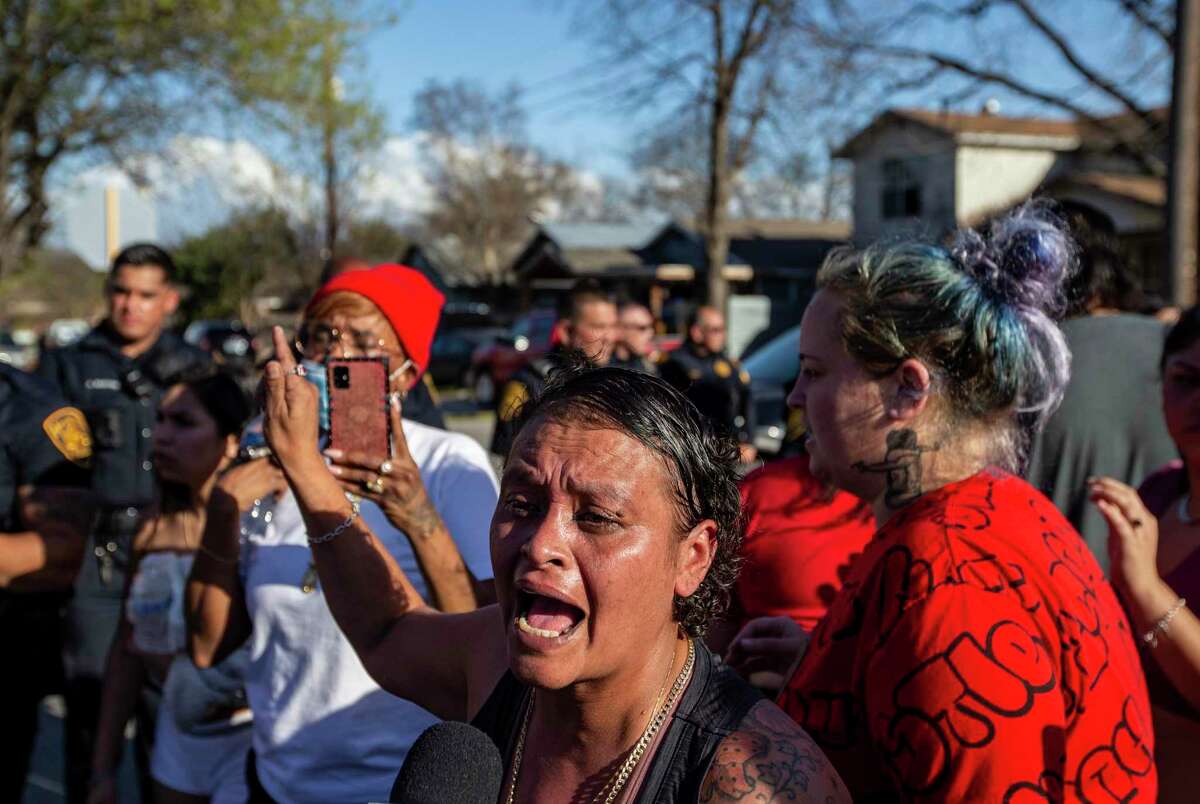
68 431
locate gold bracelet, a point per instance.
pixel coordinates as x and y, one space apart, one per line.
1163 625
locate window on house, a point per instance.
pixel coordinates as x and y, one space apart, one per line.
901 190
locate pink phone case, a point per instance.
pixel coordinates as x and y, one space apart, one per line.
358 415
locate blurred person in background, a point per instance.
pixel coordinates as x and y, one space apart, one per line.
1110 421
45 513
802 536
714 382
587 322
116 375
195 757
1155 555
421 404
323 730
634 348
976 651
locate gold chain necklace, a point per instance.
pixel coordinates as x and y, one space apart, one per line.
618 780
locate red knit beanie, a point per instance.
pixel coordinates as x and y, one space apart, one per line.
409 301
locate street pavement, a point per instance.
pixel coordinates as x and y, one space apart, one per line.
45 782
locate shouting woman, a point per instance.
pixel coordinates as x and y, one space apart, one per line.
612 547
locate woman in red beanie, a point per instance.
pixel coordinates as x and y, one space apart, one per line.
323 730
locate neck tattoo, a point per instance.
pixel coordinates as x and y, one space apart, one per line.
658 715
901 467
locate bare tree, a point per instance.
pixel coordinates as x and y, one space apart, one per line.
732 69
488 182
988 46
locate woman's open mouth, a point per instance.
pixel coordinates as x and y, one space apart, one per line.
546 617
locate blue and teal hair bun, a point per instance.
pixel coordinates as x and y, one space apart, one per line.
980 314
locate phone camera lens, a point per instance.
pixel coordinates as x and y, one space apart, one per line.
341 376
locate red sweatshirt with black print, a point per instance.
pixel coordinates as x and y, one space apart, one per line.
977 653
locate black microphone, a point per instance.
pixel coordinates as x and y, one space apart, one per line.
450 762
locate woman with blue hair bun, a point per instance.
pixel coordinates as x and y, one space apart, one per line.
976 651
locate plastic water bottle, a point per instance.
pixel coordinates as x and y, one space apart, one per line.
149 609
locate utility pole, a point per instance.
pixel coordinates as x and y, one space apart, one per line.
1183 189
328 114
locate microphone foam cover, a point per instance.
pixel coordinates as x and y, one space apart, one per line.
450 761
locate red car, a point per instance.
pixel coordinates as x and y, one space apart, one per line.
493 363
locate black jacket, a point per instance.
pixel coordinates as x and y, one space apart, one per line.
716 384
119 396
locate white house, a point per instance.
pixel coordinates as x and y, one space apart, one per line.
929 172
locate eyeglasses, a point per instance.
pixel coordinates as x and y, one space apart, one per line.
319 340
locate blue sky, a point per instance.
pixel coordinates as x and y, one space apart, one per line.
498 42
532 42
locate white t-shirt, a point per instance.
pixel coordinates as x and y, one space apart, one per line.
323 730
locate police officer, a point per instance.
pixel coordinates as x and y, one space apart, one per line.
587 322
116 374
635 342
44 518
715 382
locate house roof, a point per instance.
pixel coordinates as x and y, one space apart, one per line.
1059 134
1148 190
604 236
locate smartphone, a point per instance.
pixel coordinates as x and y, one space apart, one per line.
358 414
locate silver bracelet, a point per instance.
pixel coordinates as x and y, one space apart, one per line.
1163 625
333 534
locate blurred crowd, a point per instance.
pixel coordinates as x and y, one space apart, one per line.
963 576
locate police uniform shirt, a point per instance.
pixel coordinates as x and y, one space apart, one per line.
119 396
715 383
525 384
42 442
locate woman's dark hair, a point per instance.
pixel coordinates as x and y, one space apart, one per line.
702 461
222 398
1181 336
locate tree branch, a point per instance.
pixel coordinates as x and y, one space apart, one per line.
1068 53
1137 10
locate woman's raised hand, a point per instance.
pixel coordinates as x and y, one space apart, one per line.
253 480
290 409
1132 535
395 485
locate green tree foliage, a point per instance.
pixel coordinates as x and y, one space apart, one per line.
221 267
110 78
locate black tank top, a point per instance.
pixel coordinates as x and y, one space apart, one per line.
713 705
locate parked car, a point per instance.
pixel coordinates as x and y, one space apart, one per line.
773 369
450 355
228 341
493 363
16 354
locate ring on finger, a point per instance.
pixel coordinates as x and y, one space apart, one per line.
385 468
298 370
374 485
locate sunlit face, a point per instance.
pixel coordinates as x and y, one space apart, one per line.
594 330
365 335
637 330
709 330
188 446
139 301
843 405
587 554
1181 399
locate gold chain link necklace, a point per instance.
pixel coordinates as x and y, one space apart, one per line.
618 780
